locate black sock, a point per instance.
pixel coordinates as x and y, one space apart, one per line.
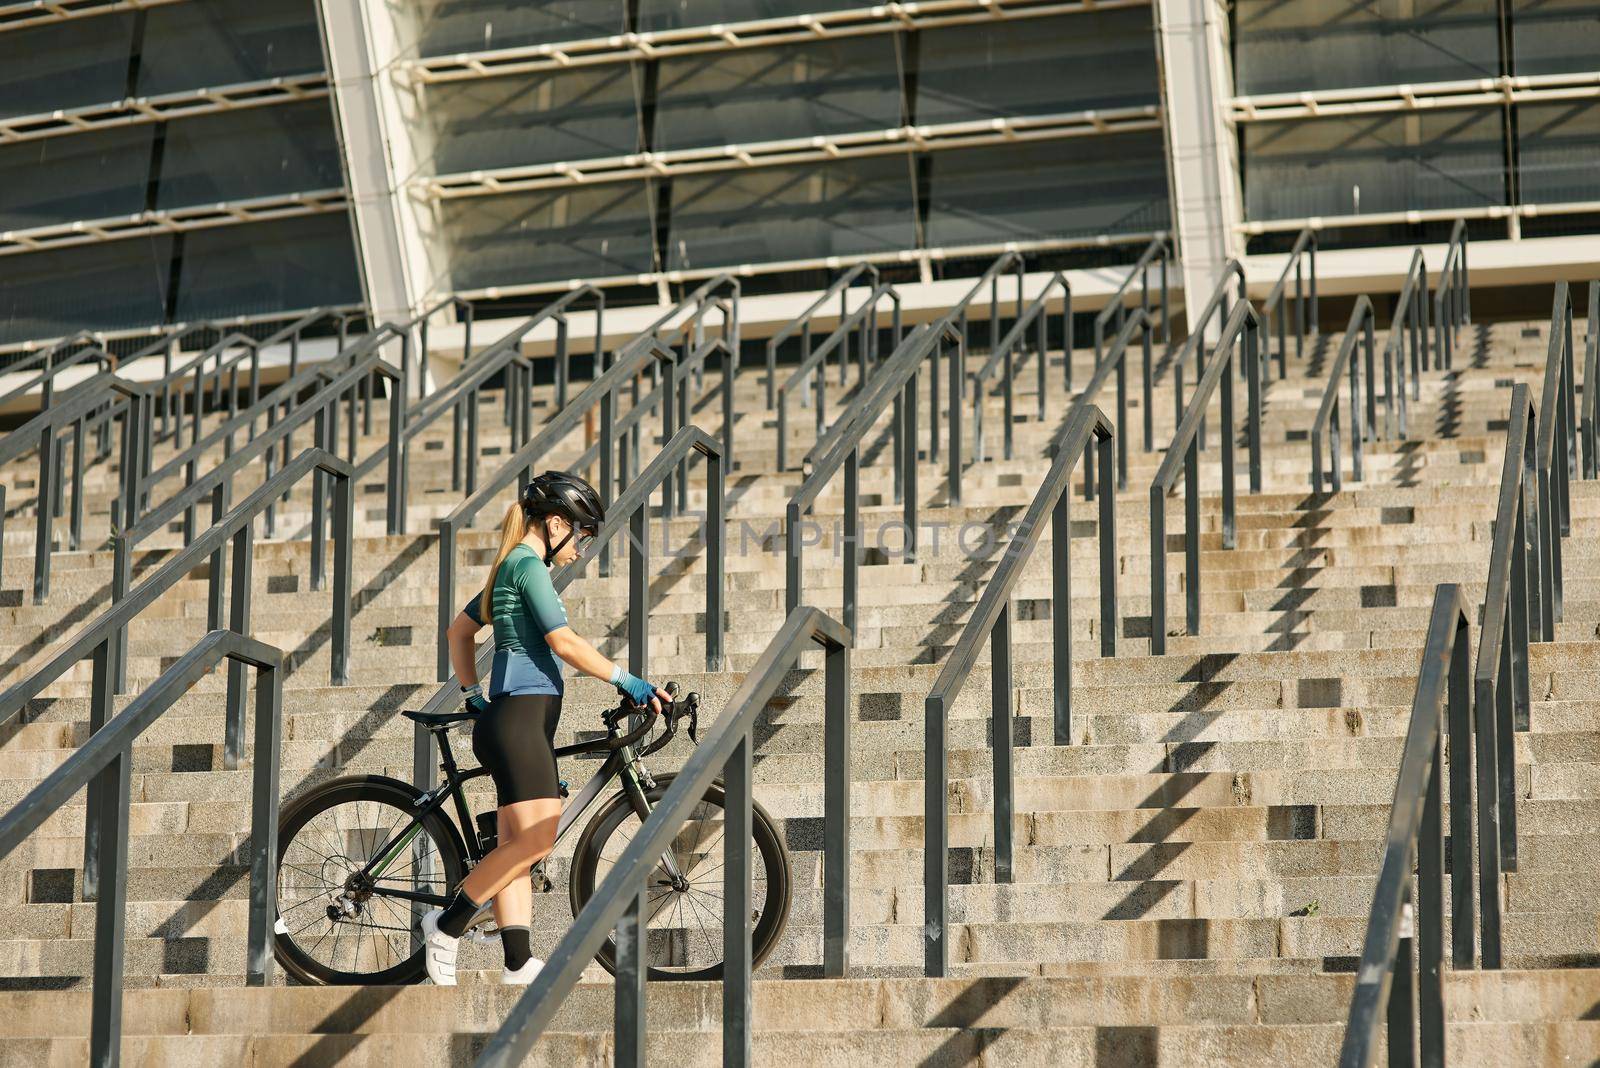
458 914
517 942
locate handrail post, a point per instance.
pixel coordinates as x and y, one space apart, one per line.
1002 740
836 813
95 818
957 372
111 876
851 537
628 1029
265 758
1061 614
639 590
936 840
239 623
1191 533
736 890
716 549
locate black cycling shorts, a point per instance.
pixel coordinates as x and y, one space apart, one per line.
516 741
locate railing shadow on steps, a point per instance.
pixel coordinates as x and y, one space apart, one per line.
1400 979
896 380
1087 429
518 469
1557 460
127 401
1301 256
630 512
1360 330
1240 340
103 766
1158 251
862 322
1005 355
619 901
1452 297
801 324
104 641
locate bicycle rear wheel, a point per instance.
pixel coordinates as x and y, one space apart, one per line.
333 929
685 921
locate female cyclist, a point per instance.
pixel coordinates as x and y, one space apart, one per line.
514 736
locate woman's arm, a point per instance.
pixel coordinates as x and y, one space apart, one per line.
462 638
575 649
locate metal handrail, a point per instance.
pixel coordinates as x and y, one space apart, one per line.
202 374
1116 360
700 299
1003 354
1556 459
1240 335
896 379
1401 975
103 765
41 432
518 468
991 278
1408 324
1157 249
1589 424
464 311
991 622
1361 328
1217 306
619 901
1452 299
45 378
46 354
802 323
1305 249
862 321
1501 694
105 637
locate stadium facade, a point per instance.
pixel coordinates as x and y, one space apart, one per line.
182 160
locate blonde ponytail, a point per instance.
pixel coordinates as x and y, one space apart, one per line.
513 528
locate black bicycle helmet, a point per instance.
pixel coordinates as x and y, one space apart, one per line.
565 495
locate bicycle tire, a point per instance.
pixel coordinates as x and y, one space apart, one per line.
383 793
773 914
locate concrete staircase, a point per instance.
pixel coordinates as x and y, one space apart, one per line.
1192 876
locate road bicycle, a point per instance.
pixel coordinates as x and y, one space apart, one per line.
361 858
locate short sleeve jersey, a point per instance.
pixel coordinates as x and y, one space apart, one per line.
526 608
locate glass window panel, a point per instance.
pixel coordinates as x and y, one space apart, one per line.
1558 159
81 176
442 27
107 286
769 94
1394 162
287 148
585 113
678 14
80 61
1292 45
1098 59
281 265
224 42
550 235
1050 189
1556 36
773 214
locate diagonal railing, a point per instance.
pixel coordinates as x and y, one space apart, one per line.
1240 341
863 324
1301 256
1158 252
1331 413
1087 428
801 324
1452 297
1400 980
895 381
1116 361
103 765
619 901
1408 331
1556 461
1004 356
1589 423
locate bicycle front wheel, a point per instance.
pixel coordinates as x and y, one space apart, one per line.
335 927
684 917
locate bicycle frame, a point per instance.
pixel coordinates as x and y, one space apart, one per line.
622 762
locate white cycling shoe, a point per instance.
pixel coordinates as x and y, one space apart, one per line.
523 975
438 950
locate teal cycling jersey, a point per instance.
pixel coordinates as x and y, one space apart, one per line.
526 608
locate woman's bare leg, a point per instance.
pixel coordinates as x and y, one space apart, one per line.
527 833
513 906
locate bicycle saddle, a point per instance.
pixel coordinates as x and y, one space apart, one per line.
439 721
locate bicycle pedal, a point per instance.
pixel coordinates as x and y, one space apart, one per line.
485 938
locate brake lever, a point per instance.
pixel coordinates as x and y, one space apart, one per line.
693 701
